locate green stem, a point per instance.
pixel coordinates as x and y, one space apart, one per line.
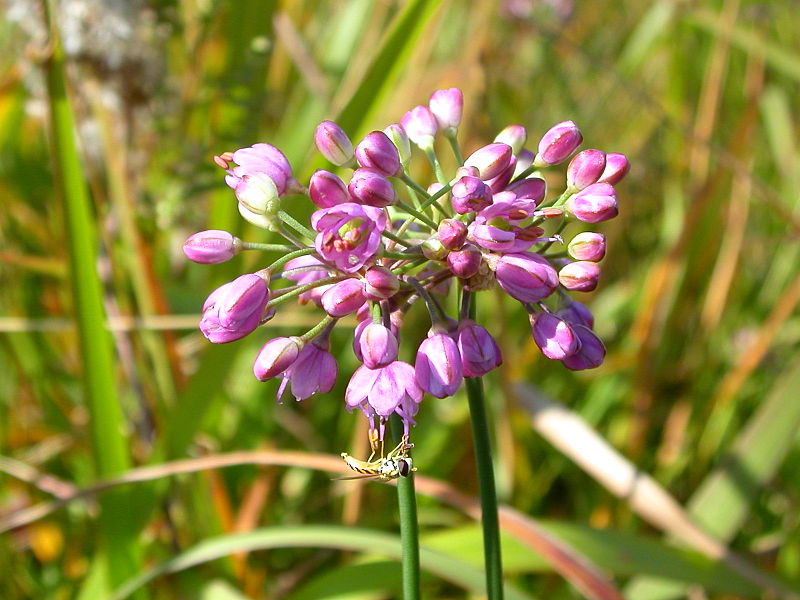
304 288
433 199
415 186
314 331
296 225
409 528
396 239
420 216
286 258
483 459
437 168
267 247
525 173
451 137
424 195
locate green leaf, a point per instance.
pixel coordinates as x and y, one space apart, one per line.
339 537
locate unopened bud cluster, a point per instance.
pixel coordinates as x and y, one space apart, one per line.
380 242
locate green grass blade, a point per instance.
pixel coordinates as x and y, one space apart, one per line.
106 429
339 537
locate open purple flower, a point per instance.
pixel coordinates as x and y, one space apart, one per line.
349 234
384 391
260 159
313 371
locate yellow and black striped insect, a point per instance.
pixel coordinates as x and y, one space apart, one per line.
395 464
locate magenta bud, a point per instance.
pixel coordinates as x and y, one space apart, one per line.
533 189
326 189
591 353
420 125
596 203
479 351
433 249
438 368
499 183
245 298
466 262
587 245
447 106
380 283
577 313
466 172
514 136
525 276
378 346
452 233
580 276
470 194
399 138
554 336
525 159
333 143
276 356
561 140
211 247
343 298
371 188
376 151
585 169
491 160
617 166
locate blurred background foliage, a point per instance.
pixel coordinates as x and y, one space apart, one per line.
698 303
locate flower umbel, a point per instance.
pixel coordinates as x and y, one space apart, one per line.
375 251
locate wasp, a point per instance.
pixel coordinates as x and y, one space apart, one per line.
395 464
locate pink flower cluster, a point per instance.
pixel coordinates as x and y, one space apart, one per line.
381 242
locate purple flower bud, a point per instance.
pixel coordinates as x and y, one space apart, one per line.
470 194
466 262
596 203
577 313
585 169
244 297
370 188
554 336
434 188
479 352
591 353
533 189
235 309
376 151
314 371
514 136
276 356
452 233
438 367
525 276
399 138
383 391
326 189
380 283
580 276
378 346
561 140
433 249
420 125
466 172
263 160
211 247
491 160
447 106
343 298
333 143
525 159
499 183
258 194
587 245
617 166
